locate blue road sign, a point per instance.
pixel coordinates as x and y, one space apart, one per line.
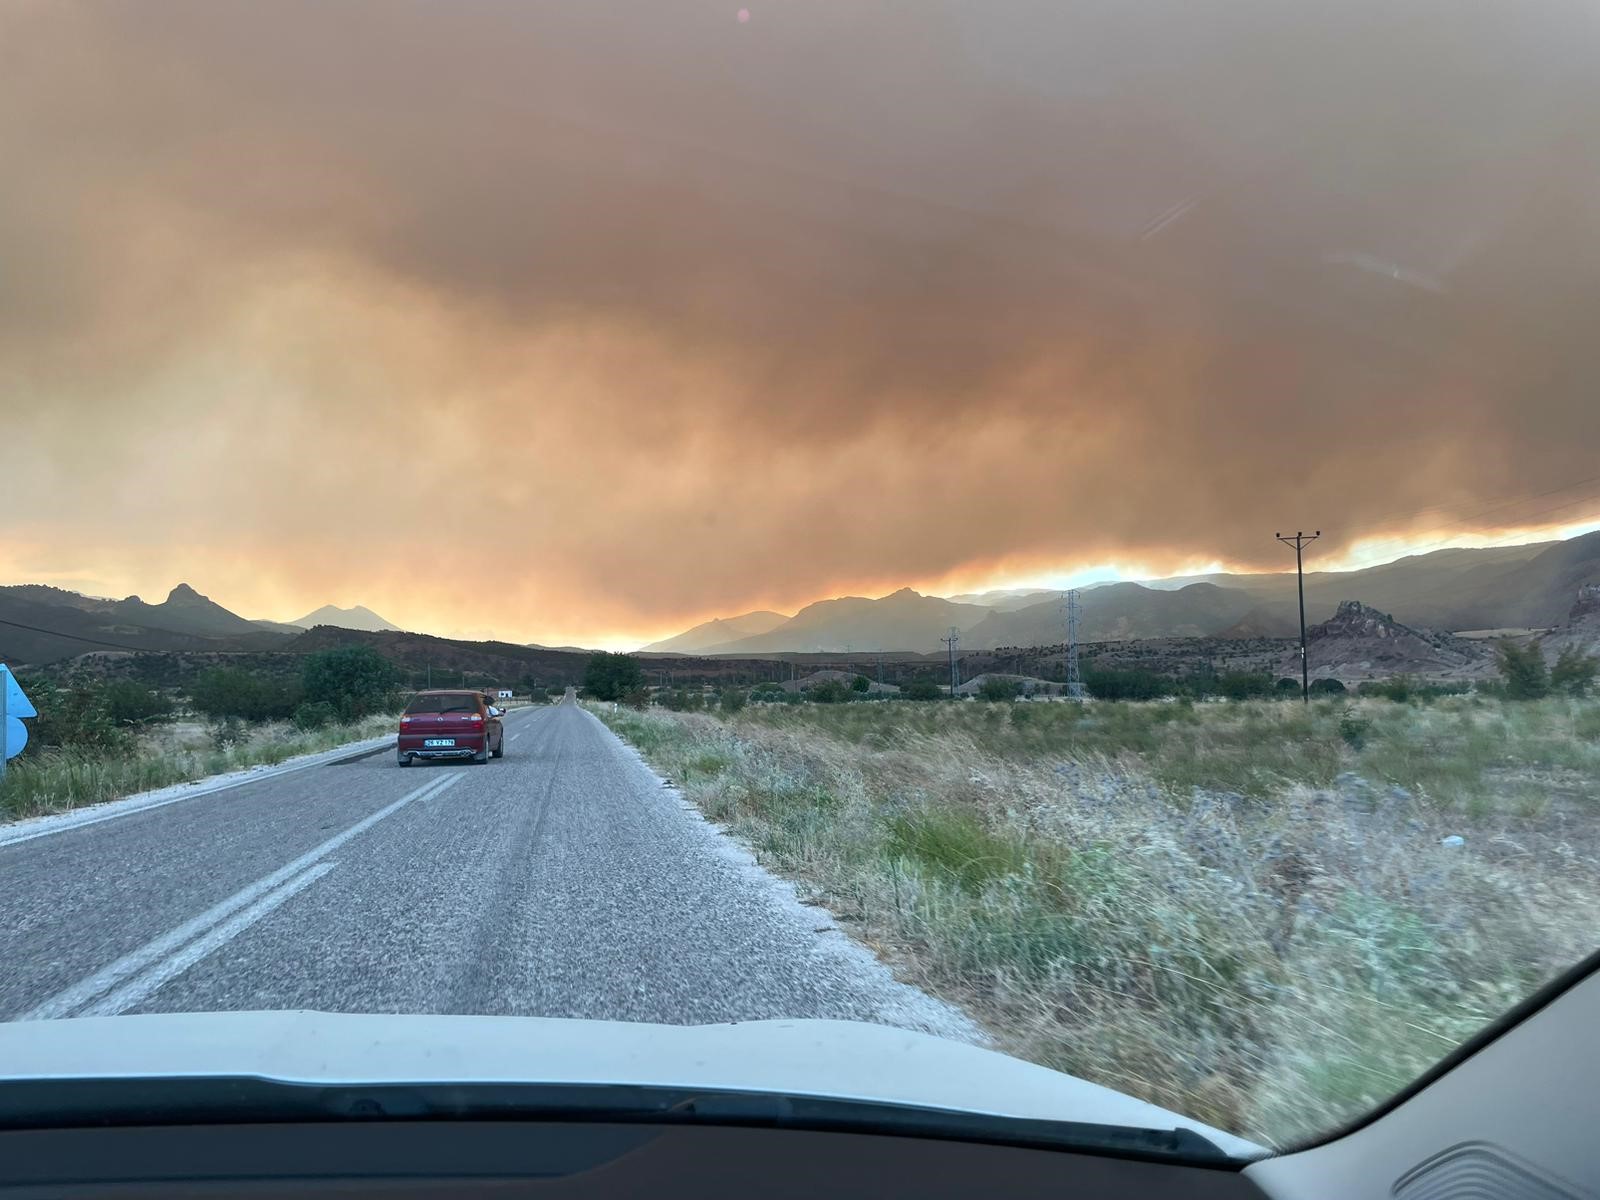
13 706
16 736
16 705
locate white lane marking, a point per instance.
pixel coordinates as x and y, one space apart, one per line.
85 991
54 823
514 736
139 989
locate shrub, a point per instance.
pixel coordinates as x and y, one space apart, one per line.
74 718
1326 687
1241 685
314 714
1353 728
228 733
354 680
1287 686
767 691
130 703
830 691
860 685
1133 684
922 689
224 692
608 676
995 690
1522 670
1574 672
731 700
637 698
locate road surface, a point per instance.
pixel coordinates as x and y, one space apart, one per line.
561 880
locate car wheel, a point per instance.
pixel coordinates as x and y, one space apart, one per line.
500 747
403 759
482 756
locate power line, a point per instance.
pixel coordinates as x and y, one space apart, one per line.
73 637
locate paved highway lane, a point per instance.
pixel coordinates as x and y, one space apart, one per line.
561 880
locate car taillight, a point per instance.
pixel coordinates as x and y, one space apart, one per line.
475 717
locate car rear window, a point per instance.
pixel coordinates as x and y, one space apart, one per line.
463 702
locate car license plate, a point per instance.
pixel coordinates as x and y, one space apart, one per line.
438 741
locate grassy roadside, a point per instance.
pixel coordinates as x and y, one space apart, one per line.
1245 912
59 779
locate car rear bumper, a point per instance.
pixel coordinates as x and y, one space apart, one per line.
410 745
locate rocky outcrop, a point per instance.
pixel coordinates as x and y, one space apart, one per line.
1359 642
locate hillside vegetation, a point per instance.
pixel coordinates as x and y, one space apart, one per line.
1266 916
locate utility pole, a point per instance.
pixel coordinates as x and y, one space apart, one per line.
1074 687
952 642
1299 541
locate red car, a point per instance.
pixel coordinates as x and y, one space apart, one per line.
450 724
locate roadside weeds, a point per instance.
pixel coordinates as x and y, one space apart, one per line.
60 780
1230 911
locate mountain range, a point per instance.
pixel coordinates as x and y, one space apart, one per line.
41 624
1515 587
1527 586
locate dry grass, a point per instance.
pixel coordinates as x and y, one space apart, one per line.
60 779
1243 912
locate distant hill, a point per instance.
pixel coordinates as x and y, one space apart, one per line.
41 624
1006 600
717 632
903 620
1116 612
359 617
1486 588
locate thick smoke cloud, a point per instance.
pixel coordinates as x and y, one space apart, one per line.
626 314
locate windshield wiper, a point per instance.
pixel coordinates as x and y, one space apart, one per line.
53 1103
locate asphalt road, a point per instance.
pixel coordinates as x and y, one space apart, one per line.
561 880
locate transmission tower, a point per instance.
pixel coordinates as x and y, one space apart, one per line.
1074 682
952 642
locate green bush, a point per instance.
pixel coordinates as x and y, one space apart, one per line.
995 690
1326 687
922 689
1242 685
224 692
608 676
1574 672
860 685
131 703
731 700
1127 685
314 714
1354 728
1522 670
354 680
76 717
829 691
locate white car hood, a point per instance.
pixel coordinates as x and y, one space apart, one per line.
834 1059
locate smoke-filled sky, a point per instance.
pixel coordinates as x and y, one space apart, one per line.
586 321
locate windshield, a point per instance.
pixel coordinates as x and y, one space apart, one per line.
443 704
1068 529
